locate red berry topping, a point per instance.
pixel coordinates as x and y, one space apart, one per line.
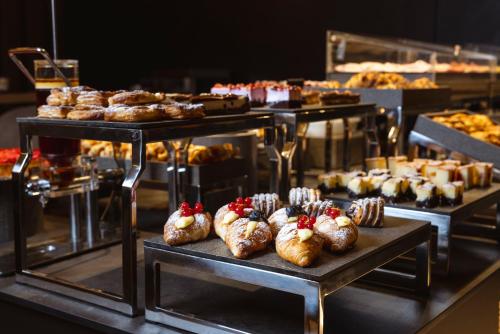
333 212
239 200
239 211
186 212
302 219
312 220
198 207
248 202
231 206
184 205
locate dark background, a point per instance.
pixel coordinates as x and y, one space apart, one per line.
120 43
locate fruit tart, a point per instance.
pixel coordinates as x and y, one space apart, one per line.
187 225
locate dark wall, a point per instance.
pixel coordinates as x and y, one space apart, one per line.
119 42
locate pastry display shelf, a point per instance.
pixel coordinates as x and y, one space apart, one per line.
138 134
211 258
292 125
428 132
403 105
444 218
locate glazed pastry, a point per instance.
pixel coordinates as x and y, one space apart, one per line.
300 196
124 113
266 203
316 209
66 96
246 236
92 98
86 112
283 217
297 243
367 212
338 232
47 111
187 225
136 97
229 213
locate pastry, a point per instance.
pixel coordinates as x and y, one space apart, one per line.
323 84
328 182
284 96
86 112
483 174
344 178
136 97
255 92
315 209
285 216
92 98
452 193
300 196
216 103
478 126
187 225
338 232
266 203
176 97
357 187
297 243
376 163
393 161
59 112
66 96
367 212
336 97
391 190
180 110
246 236
139 113
229 213
427 196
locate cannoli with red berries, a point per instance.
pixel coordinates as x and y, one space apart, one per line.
297 243
187 225
231 212
338 231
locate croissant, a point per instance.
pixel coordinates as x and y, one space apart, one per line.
290 247
339 233
182 228
246 236
229 213
284 216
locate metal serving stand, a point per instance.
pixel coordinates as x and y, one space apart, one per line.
138 134
292 125
444 218
211 258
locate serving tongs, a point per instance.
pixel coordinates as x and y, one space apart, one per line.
37 51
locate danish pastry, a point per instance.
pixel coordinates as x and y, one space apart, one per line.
86 112
187 225
246 236
66 96
339 232
229 213
136 97
297 243
182 110
124 113
93 98
47 111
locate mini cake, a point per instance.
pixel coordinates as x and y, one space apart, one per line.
379 171
430 169
357 187
328 182
216 103
414 183
301 196
310 97
256 92
406 168
344 178
452 193
466 173
283 96
315 209
443 174
405 186
427 196
375 184
367 212
376 163
391 190
393 161
338 97
455 163
483 174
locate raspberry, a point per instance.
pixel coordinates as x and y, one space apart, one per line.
248 202
332 212
301 225
198 207
231 206
239 200
312 220
186 212
239 211
184 205
302 219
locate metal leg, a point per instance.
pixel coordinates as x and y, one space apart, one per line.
423 270
172 173
129 225
74 220
299 160
91 217
393 141
346 154
313 310
328 146
274 159
444 231
372 144
182 167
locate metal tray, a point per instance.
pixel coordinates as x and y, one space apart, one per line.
456 140
369 243
317 113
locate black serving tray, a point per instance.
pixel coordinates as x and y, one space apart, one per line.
472 198
370 242
456 140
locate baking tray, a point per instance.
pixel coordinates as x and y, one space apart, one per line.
370 242
456 140
472 199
